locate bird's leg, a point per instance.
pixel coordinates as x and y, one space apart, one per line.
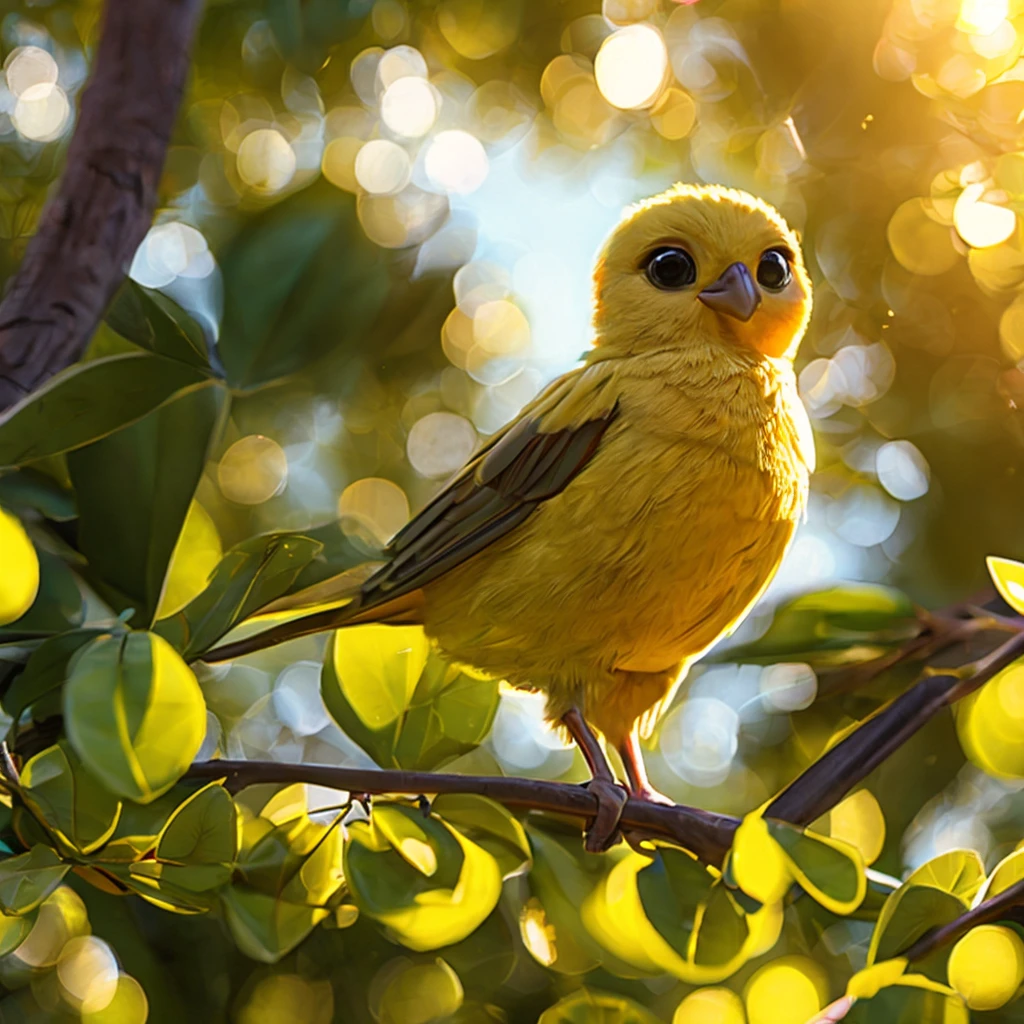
611 797
633 761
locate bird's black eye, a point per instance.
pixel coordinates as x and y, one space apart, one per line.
773 272
671 268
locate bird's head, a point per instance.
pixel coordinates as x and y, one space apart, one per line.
700 262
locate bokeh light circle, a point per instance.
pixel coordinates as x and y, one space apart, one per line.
902 470
919 242
266 161
42 112
784 991
456 162
253 470
631 66
710 1006
382 167
338 162
440 443
129 1005
27 66
376 509
87 971
408 218
409 107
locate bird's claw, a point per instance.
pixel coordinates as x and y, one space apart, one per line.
650 795
604 829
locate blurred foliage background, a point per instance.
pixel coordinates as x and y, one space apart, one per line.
381 214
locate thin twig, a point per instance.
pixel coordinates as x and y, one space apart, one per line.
835 773
704 833
995 909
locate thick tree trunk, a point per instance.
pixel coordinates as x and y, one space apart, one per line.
100 212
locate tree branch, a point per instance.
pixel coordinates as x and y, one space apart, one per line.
705 834
836 772
999 908
994 909
709 836
93 224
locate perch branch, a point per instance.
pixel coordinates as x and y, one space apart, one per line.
94 222
706 834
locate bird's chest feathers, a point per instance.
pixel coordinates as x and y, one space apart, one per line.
742 445
722 489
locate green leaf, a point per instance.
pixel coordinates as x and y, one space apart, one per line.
561 879
300 280
908 1002
829 870
910 912
369 677
489 825
185 888
190 889
427 884
722 931
46 670
14 930
960 872
264 927
249 576
203 830
402 703
87 402
153 321
26 880
28 489
672 888
849 615
134 490
140 825
57 789
451 713
58 607
338 555
588 1006
305 30
385 877
134 714
488 955
295 858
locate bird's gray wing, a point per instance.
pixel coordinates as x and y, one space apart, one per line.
528 462
495 492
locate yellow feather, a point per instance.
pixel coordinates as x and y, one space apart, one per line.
681 518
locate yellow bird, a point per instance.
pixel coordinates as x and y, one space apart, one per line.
631 514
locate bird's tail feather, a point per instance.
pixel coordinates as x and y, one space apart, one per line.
333 592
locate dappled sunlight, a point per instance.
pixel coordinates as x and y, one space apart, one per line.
377 240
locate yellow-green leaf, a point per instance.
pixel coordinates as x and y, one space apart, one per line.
134 714
1008 576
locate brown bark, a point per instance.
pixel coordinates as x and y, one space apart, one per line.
706 834
100 212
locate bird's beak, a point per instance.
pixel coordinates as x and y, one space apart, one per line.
735 294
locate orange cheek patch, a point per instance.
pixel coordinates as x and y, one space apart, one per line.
774 339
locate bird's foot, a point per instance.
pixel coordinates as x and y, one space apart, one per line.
604 829
637 838
650 795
